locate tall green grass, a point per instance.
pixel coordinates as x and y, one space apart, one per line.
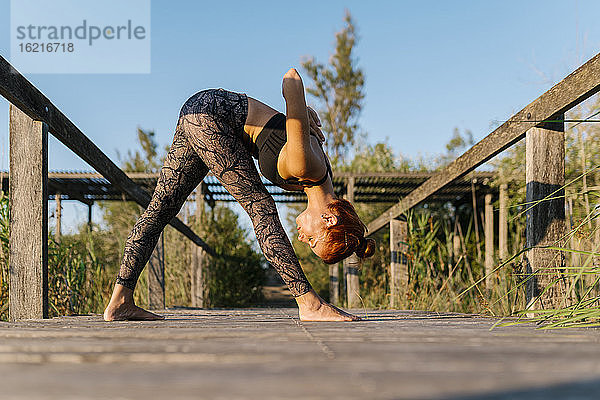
82 267
78 280
443 278
579 280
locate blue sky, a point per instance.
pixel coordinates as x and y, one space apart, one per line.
430 66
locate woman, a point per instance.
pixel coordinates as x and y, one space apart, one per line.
221 131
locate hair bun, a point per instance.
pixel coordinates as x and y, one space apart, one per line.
366 247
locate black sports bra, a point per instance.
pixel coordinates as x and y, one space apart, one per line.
269 143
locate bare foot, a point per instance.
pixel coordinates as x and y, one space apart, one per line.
122 307
312 307
129 312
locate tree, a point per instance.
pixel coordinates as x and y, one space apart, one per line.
339 87
458 144
146 160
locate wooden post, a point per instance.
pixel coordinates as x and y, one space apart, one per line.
489 241
399 262
57 198
334 284
545 177
463 245
569 216
199 257
156 276
28 204
503 224
90 216
456 252
198 281
475 220
352 263
586 198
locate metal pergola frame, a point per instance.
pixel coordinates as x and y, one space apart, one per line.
376 187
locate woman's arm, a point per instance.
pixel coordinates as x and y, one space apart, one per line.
299 158
297 126
293 90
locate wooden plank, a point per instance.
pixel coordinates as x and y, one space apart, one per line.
20 92
156 276
545 177
575 88
398 261
489 241
503 223
28 204
241 354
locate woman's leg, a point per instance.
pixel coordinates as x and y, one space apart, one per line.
216 137
181 173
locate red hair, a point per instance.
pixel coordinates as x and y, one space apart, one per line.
347 235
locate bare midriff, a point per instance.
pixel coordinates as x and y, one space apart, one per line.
258 115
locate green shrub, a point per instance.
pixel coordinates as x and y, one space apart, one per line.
78 281
236 278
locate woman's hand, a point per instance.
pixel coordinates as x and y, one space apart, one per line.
292 82
315 124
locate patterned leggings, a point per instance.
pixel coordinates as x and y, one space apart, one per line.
209 136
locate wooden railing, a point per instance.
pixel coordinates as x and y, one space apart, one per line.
542 123
32 117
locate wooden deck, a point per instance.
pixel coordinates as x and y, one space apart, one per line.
269 354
